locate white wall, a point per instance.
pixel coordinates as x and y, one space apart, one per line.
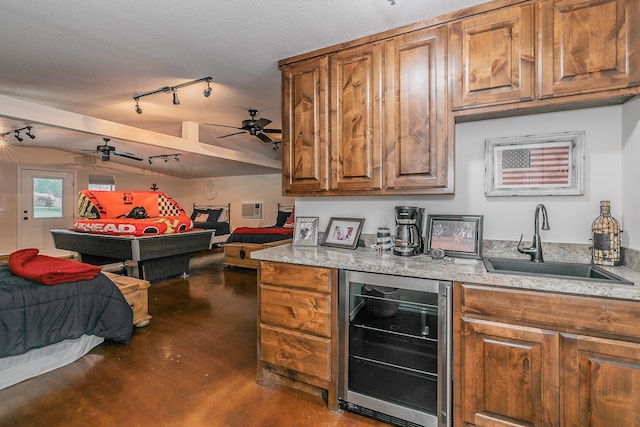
631 174
506 218
265 189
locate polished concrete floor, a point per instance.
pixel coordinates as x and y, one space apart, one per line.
194 365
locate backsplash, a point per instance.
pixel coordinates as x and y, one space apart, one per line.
563 252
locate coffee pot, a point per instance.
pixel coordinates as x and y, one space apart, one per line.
408 240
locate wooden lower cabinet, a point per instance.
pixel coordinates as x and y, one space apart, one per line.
297 328
526 358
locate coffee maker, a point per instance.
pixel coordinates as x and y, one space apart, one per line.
408 240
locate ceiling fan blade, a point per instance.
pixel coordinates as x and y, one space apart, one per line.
272 130
127 155
264 138
231 134
262 122
224 126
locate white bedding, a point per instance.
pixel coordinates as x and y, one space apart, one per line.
15 369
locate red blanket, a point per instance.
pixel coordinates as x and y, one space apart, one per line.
49 270
263 230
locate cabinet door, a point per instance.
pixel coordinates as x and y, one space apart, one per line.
418 152
356 133
492 57
509 375
588 45
305 126
600 382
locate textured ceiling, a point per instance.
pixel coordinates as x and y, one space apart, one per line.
91 58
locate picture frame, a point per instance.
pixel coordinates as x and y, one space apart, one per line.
535 165
458 235
343 232
305 231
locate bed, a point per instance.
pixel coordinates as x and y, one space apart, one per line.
45 327
213 217
244 240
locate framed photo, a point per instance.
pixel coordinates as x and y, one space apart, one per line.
459 235
535 165
343 232
305 231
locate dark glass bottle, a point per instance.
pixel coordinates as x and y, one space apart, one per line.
605 235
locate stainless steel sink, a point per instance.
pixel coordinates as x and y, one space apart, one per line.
567 270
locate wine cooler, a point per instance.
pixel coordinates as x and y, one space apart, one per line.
395 348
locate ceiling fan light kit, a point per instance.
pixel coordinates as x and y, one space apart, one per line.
174 92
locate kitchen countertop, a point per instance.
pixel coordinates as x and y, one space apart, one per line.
460 270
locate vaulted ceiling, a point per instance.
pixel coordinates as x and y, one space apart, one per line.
70 69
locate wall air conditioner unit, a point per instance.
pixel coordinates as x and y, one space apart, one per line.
252 210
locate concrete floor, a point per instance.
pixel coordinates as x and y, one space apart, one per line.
194 365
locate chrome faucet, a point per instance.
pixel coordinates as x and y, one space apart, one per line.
535 251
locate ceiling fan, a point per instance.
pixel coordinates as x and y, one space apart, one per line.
106 150
255 127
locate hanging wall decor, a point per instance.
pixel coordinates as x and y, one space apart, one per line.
535 165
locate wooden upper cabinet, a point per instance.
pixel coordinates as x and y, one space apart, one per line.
305 126
418 153
356 129
588 45
492 57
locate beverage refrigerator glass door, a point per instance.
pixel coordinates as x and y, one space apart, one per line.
395 348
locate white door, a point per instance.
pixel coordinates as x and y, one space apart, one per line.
47 200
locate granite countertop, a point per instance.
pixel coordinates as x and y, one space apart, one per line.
460 270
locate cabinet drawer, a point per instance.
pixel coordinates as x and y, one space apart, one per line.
296 351
302 310
571 313
299 276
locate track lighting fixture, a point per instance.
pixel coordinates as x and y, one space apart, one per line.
16 133
165 157
174 92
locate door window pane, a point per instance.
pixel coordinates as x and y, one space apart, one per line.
47 197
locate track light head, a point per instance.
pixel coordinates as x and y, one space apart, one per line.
207 91
176 101
29 134
150 162
17 135
138 109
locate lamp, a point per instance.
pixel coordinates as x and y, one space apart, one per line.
16 133
174 92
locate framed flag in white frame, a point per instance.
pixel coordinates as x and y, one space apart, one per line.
535 165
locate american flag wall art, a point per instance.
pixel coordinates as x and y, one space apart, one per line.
534 164
550 164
